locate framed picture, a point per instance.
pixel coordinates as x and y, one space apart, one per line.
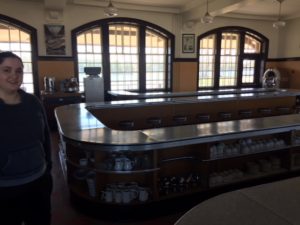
188 43
55 39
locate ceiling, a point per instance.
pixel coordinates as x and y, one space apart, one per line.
250 9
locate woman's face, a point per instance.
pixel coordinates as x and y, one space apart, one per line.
11 75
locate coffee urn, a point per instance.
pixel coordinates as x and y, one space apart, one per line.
271 78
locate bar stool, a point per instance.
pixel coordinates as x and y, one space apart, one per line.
245 113
203 118
154 121
225 115
180 119
126 124
283 110
265 111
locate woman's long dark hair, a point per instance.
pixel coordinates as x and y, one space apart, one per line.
8 54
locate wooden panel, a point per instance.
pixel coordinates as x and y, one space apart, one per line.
184 76
289 72
139 116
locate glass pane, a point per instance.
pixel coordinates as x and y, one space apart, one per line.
156 60
206 61
89 52
25 38
248 71
14 35
229 59
15 40
123 47
252 45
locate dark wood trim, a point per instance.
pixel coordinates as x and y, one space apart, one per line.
56 58
34 47
106 70
142 25
242 31
185 60
283 59
142 59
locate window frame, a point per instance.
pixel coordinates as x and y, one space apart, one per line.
33 41
142 25
260 58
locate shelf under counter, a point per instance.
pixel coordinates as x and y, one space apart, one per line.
174 152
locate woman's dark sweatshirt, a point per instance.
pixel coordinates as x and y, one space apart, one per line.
25 146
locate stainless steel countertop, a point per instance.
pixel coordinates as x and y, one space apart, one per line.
76 124
213 96
148 95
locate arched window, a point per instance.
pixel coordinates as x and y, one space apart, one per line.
20 38
231 57
134 55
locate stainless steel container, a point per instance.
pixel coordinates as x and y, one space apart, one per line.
271 79
49 84
94 89
93 85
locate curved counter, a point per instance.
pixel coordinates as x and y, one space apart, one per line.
77 124
112 166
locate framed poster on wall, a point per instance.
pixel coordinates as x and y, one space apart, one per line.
55 39
188 43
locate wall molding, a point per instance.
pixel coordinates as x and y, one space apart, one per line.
56 58
268 60
70 58
283 59
185 60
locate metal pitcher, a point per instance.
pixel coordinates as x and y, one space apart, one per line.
49 84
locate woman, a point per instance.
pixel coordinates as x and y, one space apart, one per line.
25 157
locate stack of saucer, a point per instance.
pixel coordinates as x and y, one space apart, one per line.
91 182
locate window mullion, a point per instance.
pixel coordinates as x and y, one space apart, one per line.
218 60
241 57
142 59
106 58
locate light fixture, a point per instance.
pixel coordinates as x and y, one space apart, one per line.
207 18
279 23
110 10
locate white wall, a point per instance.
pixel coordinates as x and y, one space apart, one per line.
35 15
289 42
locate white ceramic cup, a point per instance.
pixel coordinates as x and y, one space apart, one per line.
107 195
118 196
143 194
119 164
126 196
83 162
127 164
